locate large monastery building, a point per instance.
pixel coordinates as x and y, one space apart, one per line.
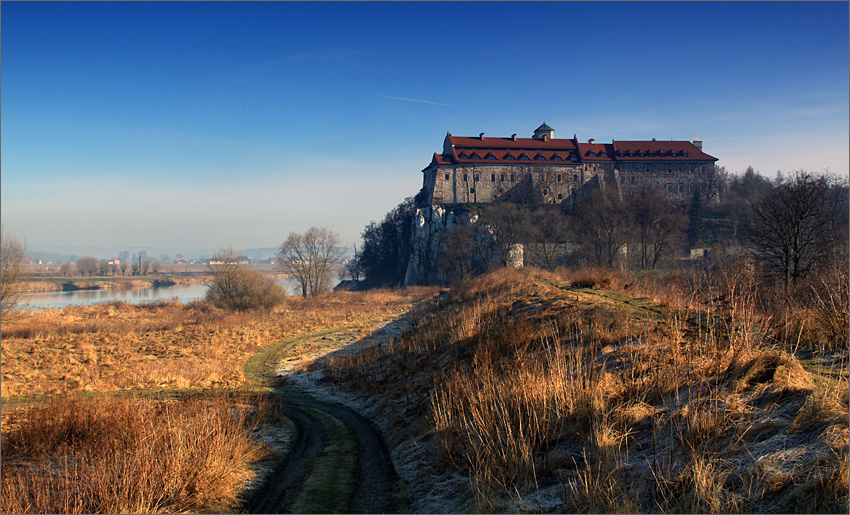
544 169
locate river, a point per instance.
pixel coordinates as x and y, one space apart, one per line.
61 299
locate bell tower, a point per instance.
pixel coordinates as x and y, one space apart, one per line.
544 133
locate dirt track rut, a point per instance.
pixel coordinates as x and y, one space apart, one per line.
376 475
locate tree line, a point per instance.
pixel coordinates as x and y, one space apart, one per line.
90 266
791 225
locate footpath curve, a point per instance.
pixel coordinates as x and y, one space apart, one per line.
338 461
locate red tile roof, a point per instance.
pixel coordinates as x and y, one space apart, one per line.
505 143
654 150
510 150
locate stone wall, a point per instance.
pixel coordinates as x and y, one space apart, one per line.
483 184
677 182
530 184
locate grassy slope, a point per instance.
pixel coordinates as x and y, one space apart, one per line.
550 396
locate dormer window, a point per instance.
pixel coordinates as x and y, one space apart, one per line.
603 154
475 156
539 157
510 157
557 158
523 157
464 155
591 154
491 157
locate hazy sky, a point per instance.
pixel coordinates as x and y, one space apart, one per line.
214 124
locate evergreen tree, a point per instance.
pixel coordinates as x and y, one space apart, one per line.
696 220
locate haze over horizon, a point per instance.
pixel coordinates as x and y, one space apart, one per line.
205 125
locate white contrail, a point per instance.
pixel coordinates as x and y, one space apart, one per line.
420 101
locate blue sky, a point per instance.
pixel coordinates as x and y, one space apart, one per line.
213 124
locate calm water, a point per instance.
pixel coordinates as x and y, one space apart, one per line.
60 299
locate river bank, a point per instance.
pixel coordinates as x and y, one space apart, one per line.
55 284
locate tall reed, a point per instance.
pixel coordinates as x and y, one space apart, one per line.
129 455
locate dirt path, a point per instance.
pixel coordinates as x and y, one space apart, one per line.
338 461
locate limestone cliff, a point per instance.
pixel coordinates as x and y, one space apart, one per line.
429 224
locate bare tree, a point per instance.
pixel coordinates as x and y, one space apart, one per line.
353 266
659 229
310 257
712 183
87 266
66 269
11 271
510 224
602 226
791 227
548 235
457 254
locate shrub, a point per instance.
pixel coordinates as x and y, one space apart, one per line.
241 290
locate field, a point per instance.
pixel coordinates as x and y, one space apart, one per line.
521 390
125 408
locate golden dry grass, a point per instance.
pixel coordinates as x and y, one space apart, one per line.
120 346
635 397
128 455
133 454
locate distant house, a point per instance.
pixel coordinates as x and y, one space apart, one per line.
242 260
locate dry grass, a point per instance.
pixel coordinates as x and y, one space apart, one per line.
121 346
638 397
128 455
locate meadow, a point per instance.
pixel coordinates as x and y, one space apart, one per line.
121 408
586 390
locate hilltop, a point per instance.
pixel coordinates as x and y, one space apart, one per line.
591 391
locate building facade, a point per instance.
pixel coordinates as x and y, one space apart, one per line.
544 169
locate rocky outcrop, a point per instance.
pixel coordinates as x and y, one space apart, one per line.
429 223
